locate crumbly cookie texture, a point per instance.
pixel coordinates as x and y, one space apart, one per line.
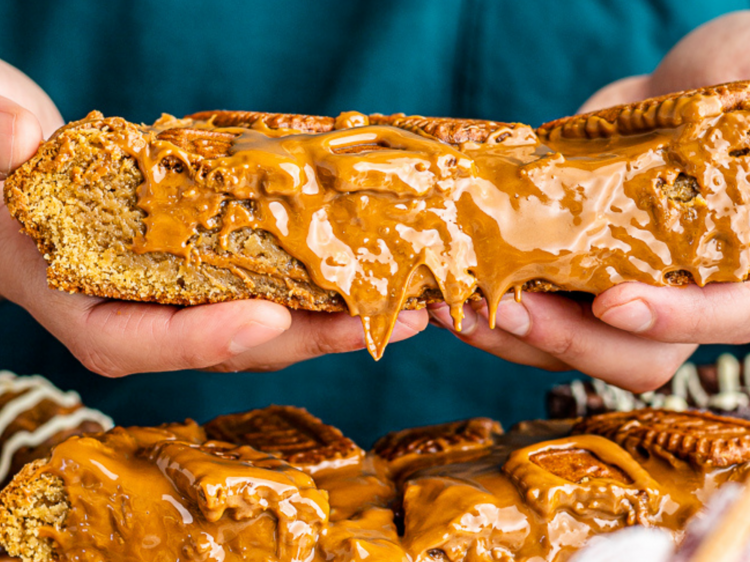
455 491
78 202
78 198
32 500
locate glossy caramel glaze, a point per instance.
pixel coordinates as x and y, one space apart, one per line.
144 494
382 209
166 494
506 507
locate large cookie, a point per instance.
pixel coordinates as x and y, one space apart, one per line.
376 214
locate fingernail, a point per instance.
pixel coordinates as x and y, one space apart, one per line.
440 315
469 322
512 316
634 316
7 140
252 335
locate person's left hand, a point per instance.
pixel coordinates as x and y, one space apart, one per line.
632 335
116 338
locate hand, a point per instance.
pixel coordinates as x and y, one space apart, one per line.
116 338
633 335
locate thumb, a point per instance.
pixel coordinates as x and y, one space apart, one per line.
20 135
16 86
116 338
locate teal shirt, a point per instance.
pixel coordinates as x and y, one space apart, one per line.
508 60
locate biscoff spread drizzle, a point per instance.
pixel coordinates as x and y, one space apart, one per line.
142 494
379 213
165 494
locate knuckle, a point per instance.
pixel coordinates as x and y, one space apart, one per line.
663 367
696 324
566 344
567 341
197 357
335 341
322 344
100 363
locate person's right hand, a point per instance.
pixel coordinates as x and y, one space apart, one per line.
633 335
116 338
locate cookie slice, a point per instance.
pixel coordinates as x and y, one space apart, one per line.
148 493
703 439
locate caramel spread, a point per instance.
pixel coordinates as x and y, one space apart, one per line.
380 214
529 495
505 506
163 494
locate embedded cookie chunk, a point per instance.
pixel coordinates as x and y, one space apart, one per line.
666 111
359 491
147 493
245 485
290 433
411 449
586 475
704 439
273 121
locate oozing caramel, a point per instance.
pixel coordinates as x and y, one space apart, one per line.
506 507
144 494
378 213
164 494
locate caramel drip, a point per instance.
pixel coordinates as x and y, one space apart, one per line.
378 214
152 494
507 507
144 494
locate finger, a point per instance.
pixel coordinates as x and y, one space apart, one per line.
625 90
117 338
568 331
16 86
20 135
313 334
716 313
710 54
96 329
477 333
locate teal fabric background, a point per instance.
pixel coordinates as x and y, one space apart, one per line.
528 61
